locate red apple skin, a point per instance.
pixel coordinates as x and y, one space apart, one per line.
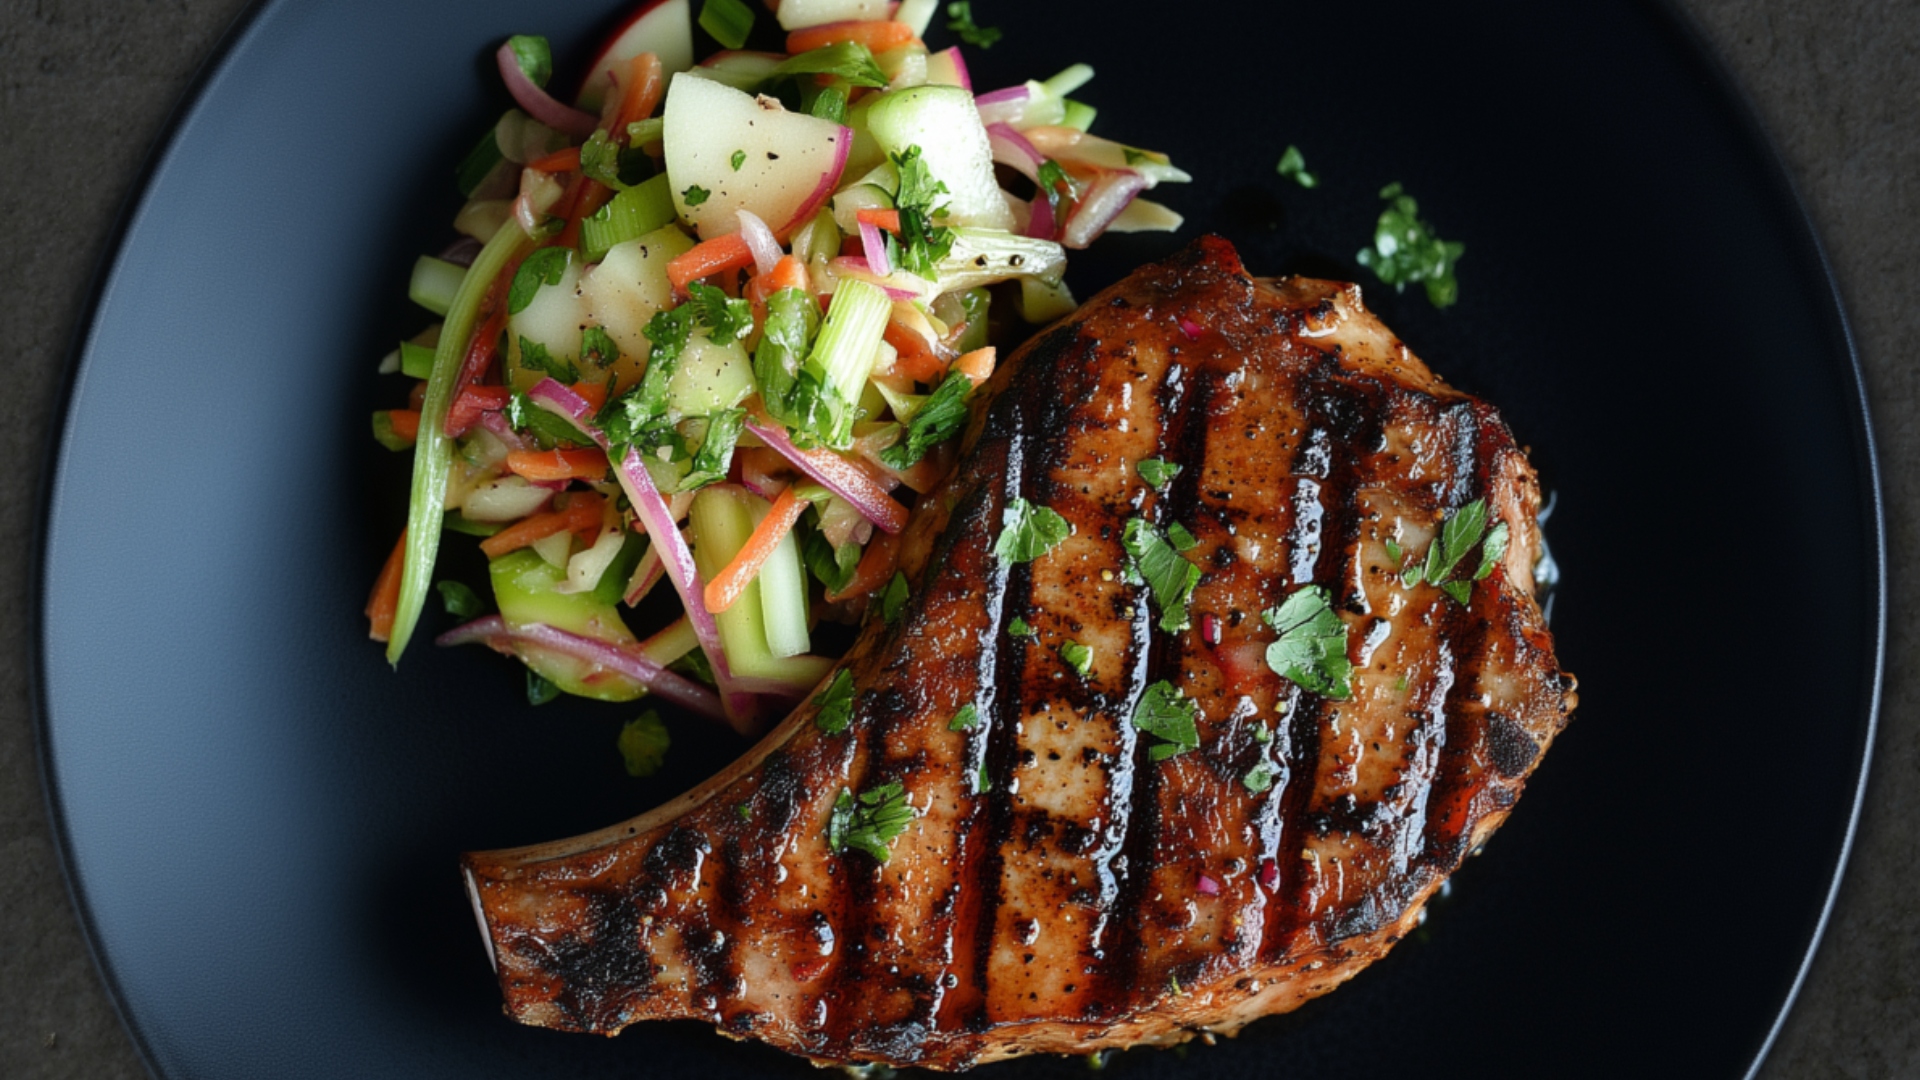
609 49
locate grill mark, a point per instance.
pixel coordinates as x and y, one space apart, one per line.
1186 392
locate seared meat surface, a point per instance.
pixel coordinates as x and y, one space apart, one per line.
1062 889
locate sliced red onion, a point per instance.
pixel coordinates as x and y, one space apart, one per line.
1003 106
875 249
538 103
856 266
1014 149
461 252
1192 329
960 69
759 240
1269 873
497 633
997 97
1102 202
645 576
1042 226
675 556
822 191
501 428
838 475
1208 886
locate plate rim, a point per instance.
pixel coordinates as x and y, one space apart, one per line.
1666 18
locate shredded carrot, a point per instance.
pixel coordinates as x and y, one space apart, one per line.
788 273
880 219
913 357
474 400
642 93
405 423
977 365
484 346
581 514
593 393
878 36
384 603
707 258
583 463
876 568
727 585
560 161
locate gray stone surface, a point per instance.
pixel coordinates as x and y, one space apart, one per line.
86 85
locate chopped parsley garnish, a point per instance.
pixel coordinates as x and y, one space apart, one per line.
1492 551
1030 531
535 357
847 60
938 419
894 599
1019 628
743 811
596 345
1405 251
966 719
960 21
549 429
534 56
725 318
1168 715
1461 591
644 742
694 665
1180 538
833 566
982 783
871 821
1171 576
695 195
1259 778
1463 529
922 244
1312 650
1078 657
637 417
546 266
739 159
715 456
1158 474
835 704
540 690
461 601
1293 166
1062 191
795 391
1394 552
600 160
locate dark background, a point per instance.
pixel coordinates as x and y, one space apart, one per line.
88 85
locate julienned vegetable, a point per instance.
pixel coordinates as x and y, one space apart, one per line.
729 344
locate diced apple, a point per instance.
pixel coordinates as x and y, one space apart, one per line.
946 68
943 123
710 376
661 27
732 151
800 14
553 319
627 288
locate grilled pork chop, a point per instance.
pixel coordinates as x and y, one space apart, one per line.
1063 885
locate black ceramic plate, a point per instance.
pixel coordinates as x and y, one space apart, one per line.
260 820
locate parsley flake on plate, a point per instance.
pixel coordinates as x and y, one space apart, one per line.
1077 656
1405 251
966 719
1293 166
870 821
1168 715
1259 778
1171 576
835 704
1029 532
1158 474
960 21
643 743
1312 650
1019 628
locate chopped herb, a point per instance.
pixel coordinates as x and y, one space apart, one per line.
1078 657
960 21
725 318
637 416
1312 650
1461 591
534 56
871 821
1461 531
1030 532
1293 166
1394 552
1167 714
835 704
1171 577
729 21
539 689
922 244
461 601
1063 191
1262 735
546 266
830 104
744 811
966 719
695 195
833 566
695 666
1400 686
1019 628
1259 778
795 392
550 429
1410 576
739 159
847 60
938 419
982 783
715 456
596 345
894 599
1157 473
1180 538
535 357
600 160
1492 551
1406 251
644 742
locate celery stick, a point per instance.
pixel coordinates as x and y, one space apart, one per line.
433 451
721 524
1069 80
435 282
783 593
848 345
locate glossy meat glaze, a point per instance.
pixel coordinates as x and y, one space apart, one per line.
1093 897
